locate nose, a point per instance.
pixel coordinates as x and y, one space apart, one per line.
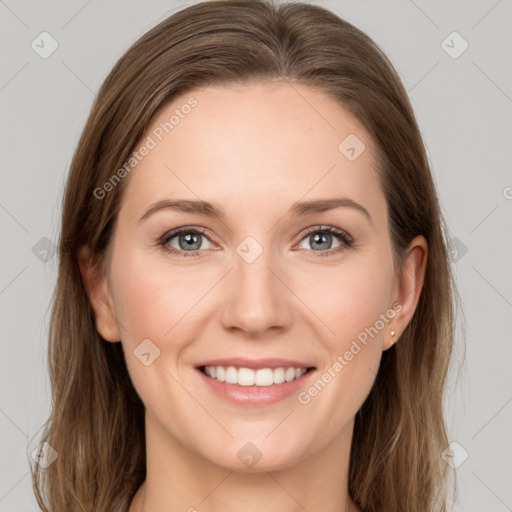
257 298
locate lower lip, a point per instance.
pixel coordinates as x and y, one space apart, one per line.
254 396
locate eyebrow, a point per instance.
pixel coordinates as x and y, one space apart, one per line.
212 210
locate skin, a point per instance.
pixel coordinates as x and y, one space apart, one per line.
254 150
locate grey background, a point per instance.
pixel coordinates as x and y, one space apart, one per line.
463 106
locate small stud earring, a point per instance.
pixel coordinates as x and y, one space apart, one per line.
393 333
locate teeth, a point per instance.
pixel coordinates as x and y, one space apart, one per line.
250 377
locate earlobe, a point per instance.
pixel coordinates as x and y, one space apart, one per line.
409 286
98 291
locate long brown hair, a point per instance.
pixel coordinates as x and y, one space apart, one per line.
96 423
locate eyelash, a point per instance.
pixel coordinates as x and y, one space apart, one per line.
343 236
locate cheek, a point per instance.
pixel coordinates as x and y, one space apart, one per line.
152 298
356 311
351 299
162 302
156 304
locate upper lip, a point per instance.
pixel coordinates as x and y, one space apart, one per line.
269 362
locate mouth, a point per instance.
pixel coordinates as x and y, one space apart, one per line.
255 377
255 382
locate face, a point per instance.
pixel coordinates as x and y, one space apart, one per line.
299 286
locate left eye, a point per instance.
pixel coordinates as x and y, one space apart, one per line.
321 240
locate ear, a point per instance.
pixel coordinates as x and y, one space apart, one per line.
408 288
99 294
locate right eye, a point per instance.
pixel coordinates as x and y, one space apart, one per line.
184 242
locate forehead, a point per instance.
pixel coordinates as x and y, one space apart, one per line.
254 146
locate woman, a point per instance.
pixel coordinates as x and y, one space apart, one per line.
254 308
